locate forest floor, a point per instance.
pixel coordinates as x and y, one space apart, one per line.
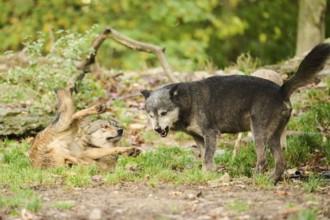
235 200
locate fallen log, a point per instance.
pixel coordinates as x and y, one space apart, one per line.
19 122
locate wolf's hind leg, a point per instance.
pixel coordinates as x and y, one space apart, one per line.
275 147
200 145
260 147
65 110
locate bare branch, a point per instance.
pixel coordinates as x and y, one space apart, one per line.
52 35
84 66
140 46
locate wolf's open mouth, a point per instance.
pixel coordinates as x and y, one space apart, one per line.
163 133
114 139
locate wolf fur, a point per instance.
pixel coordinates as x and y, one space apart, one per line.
61 143
276 78
207 108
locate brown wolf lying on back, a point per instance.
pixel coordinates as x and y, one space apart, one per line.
61 143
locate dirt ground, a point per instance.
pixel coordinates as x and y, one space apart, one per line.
233 200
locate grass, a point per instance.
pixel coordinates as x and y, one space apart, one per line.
21 198
242 165
305 214
238 206
312 184
64 204
172 165
261 181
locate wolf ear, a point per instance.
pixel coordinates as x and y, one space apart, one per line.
174 92
145 93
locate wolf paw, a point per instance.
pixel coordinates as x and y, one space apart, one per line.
275 179
209 167
101 108
132 152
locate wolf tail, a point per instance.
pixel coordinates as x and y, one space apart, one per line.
308 68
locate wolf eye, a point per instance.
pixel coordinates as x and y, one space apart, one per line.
163 113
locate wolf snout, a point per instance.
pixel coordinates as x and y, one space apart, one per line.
120 131
158 129
162 132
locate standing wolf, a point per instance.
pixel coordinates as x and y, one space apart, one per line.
230 104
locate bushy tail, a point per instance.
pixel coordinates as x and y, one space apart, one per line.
308 68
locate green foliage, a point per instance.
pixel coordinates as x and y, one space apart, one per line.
193 33
314 119
64 204
21 198
301 148
305 214
241 165
312 184
238 206
173 165
34 83
246 63
261 181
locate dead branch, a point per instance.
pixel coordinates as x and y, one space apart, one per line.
140 46
84 66
52 35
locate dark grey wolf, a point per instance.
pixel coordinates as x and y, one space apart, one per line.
230 104
62 142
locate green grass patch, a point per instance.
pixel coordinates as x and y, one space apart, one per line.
64 204
166 164
261 181
21 198
242 165
313 183
238 206
314 120
305 214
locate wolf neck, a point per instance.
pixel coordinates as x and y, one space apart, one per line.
84 142
185 122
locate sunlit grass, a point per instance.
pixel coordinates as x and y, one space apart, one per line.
64 204
238 206
21 198
305 214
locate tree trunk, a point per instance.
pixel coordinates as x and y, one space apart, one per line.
311 24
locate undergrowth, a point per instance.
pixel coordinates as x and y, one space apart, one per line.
33 82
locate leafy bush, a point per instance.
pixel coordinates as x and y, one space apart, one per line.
35 82
192 32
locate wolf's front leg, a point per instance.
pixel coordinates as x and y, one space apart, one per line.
96 153
200 145
96 109
210 140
